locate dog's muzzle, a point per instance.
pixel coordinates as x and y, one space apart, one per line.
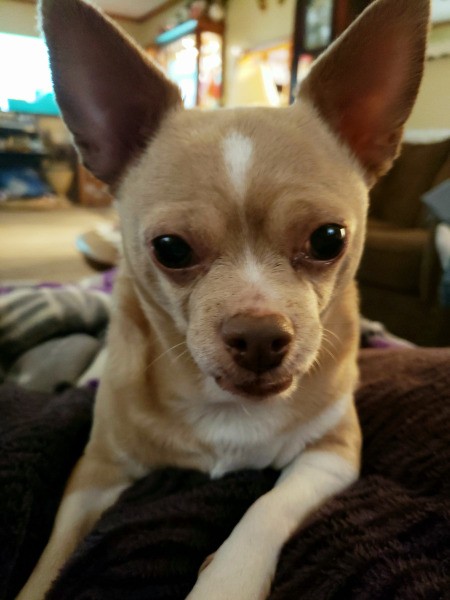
257 345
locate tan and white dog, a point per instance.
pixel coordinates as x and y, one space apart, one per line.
235 329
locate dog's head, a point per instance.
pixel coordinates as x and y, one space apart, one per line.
244 226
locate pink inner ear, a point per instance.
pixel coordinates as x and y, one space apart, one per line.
377 104
366 84
112 98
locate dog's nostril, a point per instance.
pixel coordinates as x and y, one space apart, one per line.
256 343
238 344
281 343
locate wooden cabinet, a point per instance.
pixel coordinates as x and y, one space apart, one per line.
317 24
22 152
90 191
191 54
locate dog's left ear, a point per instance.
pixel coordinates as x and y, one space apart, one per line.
364 86
111 96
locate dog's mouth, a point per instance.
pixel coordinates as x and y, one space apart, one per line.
258 388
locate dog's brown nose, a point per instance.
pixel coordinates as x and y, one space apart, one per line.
257 344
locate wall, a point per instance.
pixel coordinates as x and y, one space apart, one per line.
273 24
432 109
152 27
249 27
20 17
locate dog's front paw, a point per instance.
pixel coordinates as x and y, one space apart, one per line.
226 587
208 560
240 580
244 566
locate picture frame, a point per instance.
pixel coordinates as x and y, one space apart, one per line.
318 31
317 24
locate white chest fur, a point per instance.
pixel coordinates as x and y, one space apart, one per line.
250 438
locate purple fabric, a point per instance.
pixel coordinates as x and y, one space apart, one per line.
103 282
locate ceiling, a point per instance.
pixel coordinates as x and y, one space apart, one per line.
133 9
136 10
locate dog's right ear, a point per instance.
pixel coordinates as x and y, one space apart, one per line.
110 94
364 86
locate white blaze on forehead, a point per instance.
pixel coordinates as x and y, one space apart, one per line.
238 154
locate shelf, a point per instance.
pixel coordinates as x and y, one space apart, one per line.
190 26
15 128
20 153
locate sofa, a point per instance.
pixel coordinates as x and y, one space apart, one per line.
400 270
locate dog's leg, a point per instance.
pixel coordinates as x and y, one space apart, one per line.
94 485
245 564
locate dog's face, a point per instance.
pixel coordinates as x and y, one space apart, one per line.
244 226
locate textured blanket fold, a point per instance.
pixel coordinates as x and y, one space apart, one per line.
387 537
30 316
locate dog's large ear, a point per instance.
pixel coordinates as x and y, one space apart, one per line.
111 96
365 84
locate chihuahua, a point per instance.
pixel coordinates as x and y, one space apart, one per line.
234 332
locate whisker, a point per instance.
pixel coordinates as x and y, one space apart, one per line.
176 358
329 347
245 409
315 365
330 354
332 333
164 353
326 340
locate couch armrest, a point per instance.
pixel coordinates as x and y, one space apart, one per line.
393 257
431 271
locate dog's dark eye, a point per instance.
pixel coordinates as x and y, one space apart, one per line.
173 252
326 242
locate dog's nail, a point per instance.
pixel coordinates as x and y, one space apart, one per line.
208 560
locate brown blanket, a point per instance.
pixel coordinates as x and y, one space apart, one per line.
388 537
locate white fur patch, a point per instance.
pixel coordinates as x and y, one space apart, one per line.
324 467
238 155
252 271
312 431
267 525
248 436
